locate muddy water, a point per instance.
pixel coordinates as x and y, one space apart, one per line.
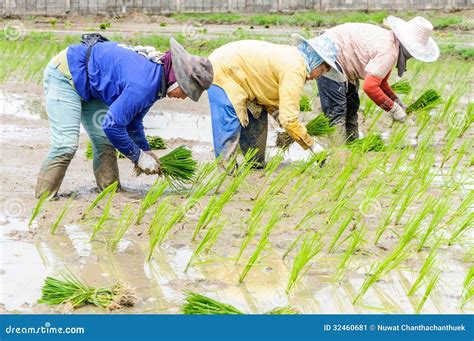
29 255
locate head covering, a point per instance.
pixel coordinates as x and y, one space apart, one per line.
403 56
194 74
415 36
170 78
325 49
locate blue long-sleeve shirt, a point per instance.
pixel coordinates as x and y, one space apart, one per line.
124 80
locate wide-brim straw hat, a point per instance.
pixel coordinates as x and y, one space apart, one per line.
327 50
415 36
194 74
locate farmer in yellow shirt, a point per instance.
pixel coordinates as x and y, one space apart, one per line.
253 78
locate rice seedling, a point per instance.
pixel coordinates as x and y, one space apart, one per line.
197 304
468 119
157 226
462 151
309 248
408 196
293 244
104 216
125 221
372 142
429 289
156 142
60 216
110 189
318 126
464 207
37 208
305 104
425 269
382 227
468 287
343 227
216 204
439 212
356 240
177 167
71 291
269 169
427 101
402 87
209 169
274 219
151 197
462 227
209 239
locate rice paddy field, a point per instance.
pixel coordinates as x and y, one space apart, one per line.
382 225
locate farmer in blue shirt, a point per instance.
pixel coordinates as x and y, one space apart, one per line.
110 87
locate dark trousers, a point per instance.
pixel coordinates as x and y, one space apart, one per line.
340 103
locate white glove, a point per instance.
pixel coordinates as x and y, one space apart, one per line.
397 112
403 105
316 148
148 164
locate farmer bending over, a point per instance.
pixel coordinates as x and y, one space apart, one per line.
110 87
370 52
253 78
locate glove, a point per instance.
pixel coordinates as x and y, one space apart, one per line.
403 105
316 148
398 113
148 164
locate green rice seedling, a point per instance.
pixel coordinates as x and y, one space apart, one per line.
157 226
206 243
203 305
274 219
305 104
177 167
156 142
468 287
309 248
462 151
342 180
318 126
89 152
464 207
269 169
468 119
408 196
61 215
402 87
197 304
397 137
110 189
448 146
427 101
37 208
423 119
439 212
425 269
205 171
293 244
216 204
382 227
125 221
104 217
372 142
356 240
429 289
151 197
376 118
462 227
343 227
71 291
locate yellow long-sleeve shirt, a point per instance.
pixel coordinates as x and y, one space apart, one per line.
274 75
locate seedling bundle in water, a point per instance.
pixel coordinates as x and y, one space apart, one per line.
71 291
372 142
402 87
197 304
178 167
318 126
427 101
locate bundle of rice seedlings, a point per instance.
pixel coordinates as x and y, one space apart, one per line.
155 143
402 87
427 101
37 208
305 104
197 304
372 142
71 291
318 126
178 167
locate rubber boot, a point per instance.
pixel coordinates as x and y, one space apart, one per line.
105 166
51 175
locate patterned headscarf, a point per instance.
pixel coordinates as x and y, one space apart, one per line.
311 59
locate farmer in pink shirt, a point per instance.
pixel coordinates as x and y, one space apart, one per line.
370 52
